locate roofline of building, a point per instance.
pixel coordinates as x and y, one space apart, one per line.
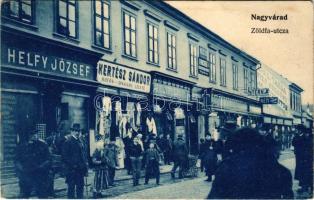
175 13
296 87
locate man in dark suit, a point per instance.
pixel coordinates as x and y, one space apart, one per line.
180 154
33 162
75 163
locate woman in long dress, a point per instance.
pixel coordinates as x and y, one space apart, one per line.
101 180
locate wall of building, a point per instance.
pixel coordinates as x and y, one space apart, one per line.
45 26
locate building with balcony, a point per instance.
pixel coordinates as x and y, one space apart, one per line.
104 64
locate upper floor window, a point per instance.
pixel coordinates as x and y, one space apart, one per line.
252 80
67 18
222 72
22 10
193 60
212 67
171 50
129 28
153 53
235 76
102 19
246 79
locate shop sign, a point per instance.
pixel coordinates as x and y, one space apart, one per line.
222 102
267 120
288 122
171 90
123 77
258 91
45 63
274 121
280 121
255 109
268 100
203 67
203 53
296 121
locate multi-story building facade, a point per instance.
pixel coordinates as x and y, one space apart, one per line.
275 114
65 61
296 103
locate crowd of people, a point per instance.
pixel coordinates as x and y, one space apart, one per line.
242 163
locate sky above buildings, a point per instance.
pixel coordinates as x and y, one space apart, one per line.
291 55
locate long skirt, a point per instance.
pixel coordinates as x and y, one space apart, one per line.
101 179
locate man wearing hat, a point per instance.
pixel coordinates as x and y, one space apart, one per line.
75 163
180 154
33 163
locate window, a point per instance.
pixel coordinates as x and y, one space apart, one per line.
245 79
252 79
193 60
235 76
153 53
212 67
101 24
222 72
129 24
171 51
19 10
67 18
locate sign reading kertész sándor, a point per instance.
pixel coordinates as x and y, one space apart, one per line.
43 63
123 77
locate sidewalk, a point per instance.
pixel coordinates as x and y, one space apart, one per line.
12 190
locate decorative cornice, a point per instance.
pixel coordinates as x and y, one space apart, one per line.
193 37
131 4
171 25
152 15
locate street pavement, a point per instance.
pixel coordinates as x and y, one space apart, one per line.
196 188
187 188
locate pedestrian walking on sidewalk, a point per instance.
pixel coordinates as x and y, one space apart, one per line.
101 181
180 156
127 145
111 156
210 162
33 163
252 170
75 161
152 159
136 160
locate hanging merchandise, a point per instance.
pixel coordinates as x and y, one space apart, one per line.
101 129
122 126
106 105
130 112
118 110
138 115
151 125
179 113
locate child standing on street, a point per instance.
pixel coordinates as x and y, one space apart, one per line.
152 164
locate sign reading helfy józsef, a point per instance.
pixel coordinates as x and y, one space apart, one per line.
123 77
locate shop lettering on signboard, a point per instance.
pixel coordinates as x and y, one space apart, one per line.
123 77
44 63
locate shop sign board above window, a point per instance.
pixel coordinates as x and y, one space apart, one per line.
116 75
45 63
226 103
171 90
203 67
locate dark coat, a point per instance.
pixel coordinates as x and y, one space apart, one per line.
210 161
111 155
74 157
127 144
33 158
135 150
179 151
247 175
